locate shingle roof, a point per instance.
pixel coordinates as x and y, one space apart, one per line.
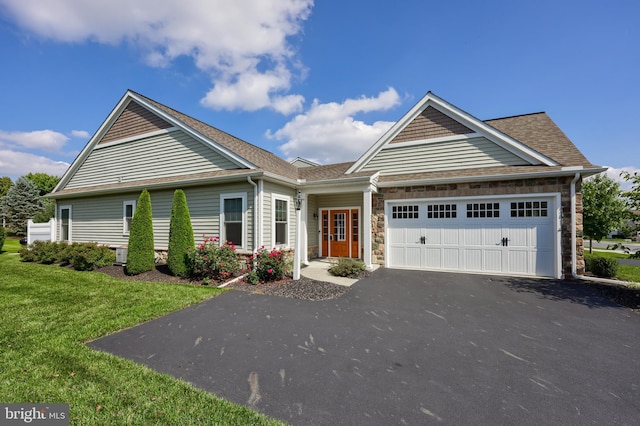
256 155
539 132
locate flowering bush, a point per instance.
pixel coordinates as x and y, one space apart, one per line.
266 266
212 260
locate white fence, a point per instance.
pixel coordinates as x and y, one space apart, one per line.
41 231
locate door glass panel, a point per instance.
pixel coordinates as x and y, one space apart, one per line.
339 227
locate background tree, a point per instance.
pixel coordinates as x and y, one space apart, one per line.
140 253
180 234
5 184
21 203
603 207
633 195
44 182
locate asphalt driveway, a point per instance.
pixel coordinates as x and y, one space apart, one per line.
407 347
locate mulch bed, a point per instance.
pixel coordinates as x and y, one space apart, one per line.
302 289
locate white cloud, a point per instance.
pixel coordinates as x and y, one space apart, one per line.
242 44
15 164
46 140
614 173
328 133
80 134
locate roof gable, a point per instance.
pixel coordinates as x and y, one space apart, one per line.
134 120
434 120
136 116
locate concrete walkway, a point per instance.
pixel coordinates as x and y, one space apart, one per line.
318 269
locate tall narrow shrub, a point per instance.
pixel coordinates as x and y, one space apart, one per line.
180 235
140 255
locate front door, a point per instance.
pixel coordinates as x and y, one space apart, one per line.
340 233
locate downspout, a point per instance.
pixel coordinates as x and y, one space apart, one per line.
256 207
574 254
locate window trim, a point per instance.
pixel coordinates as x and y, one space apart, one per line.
70 208
288 200
125 231
231 195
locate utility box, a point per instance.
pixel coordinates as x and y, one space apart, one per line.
121 255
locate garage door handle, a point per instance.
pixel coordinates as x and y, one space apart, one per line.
423 240
505 242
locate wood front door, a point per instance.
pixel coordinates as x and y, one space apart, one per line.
340 233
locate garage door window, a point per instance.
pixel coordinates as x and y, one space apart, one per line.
483 210
404 212
441 211
529 209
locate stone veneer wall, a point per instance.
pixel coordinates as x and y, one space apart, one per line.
560 185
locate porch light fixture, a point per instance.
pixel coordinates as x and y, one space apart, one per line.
298 200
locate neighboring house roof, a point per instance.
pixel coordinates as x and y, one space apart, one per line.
303 162
504 148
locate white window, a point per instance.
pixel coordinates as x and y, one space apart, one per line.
404 212
233 223
128 208
65 223
280 228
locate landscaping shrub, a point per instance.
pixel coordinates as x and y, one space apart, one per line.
180 235
141 254
265 266
46 252
91 256
81 256
347 267
602 267
2 236
213 261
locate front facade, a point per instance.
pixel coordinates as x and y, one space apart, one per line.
440 190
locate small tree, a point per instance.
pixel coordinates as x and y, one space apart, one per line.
5 184
181 239
44 182
603 207
21 203
141 254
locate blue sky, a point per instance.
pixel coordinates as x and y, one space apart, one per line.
321 81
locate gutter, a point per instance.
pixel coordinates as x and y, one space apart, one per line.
256 230
409 182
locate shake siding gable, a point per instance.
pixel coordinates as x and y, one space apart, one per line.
165 155
134 120
431 123
449 155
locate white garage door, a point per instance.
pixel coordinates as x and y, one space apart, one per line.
504 236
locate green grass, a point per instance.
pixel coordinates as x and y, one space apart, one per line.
625 272
49 313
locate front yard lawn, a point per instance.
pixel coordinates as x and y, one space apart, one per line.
625 272
49 313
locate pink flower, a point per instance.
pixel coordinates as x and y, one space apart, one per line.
205 258
201 246
270 271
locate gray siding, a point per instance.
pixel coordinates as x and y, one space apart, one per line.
351 199
312 223
270 188
165 155
451 155
99 219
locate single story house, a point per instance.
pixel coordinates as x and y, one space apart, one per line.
441 190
